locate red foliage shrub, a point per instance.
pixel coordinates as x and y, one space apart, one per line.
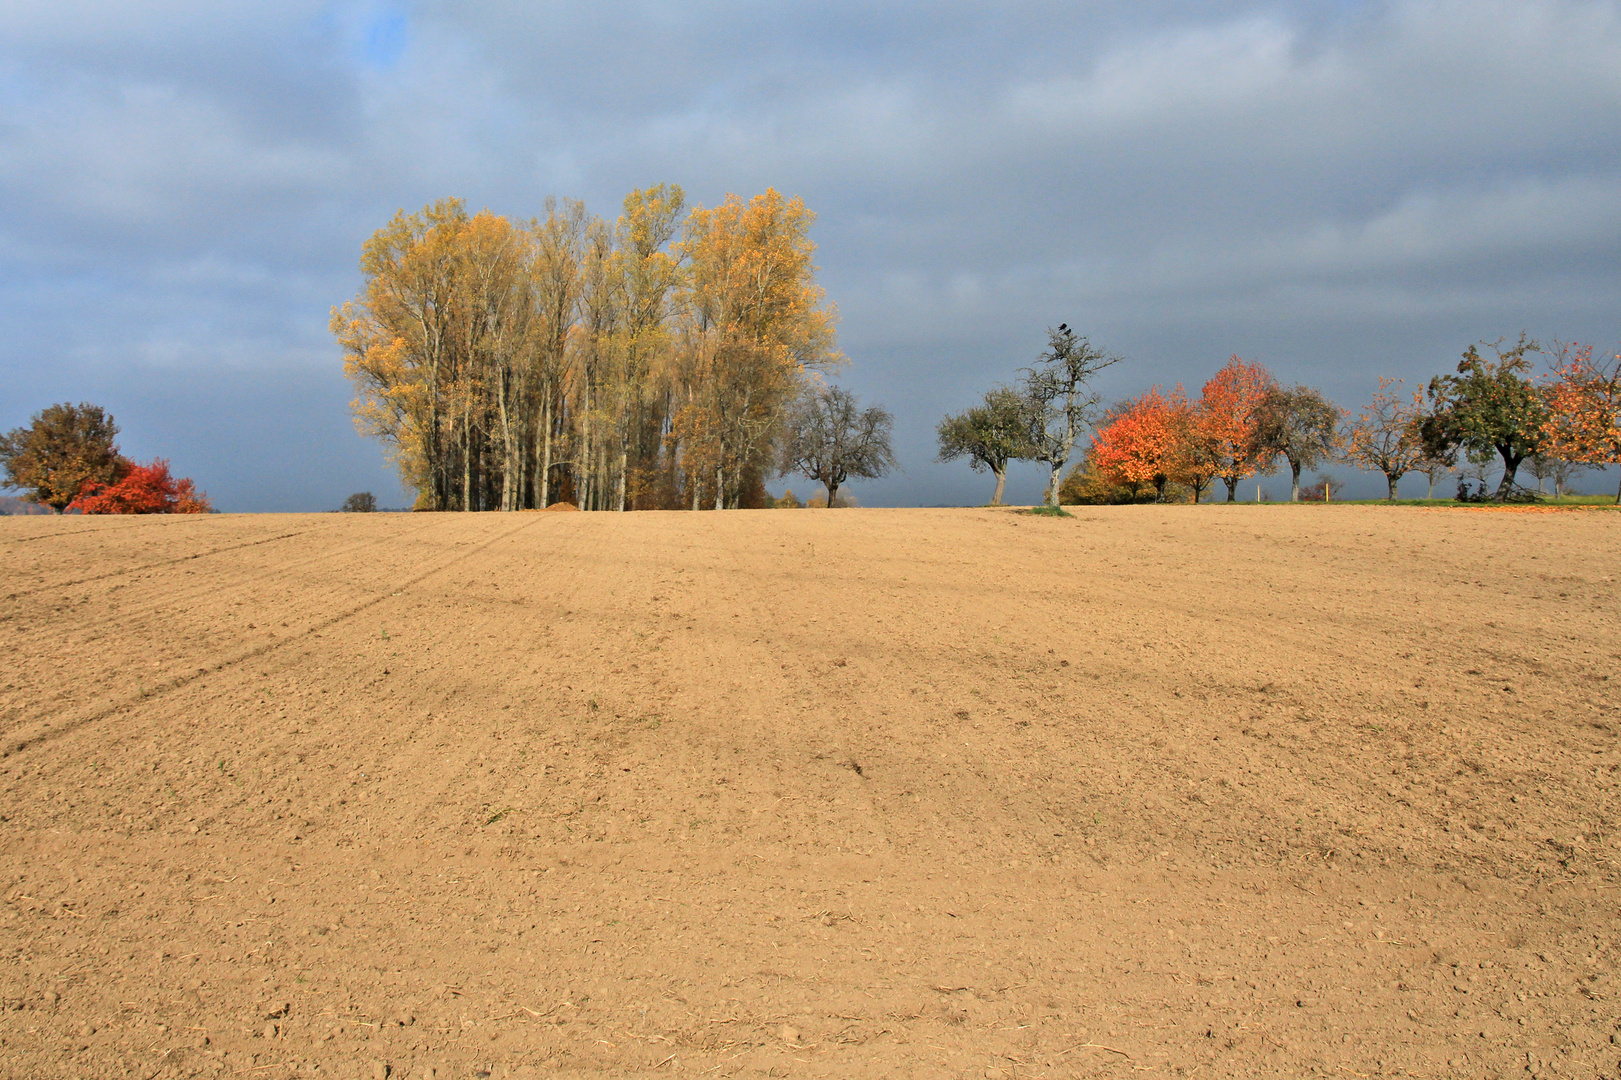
142 489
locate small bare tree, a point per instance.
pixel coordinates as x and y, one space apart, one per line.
1434 462
830 439
1058 399
1302 425
1546 467
1386 436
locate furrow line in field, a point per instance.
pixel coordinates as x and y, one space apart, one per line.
173 596
124 524
154 565
164 614
440 760
18 745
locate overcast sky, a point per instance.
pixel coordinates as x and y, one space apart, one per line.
1338 190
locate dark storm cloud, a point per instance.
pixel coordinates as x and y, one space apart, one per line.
1339 190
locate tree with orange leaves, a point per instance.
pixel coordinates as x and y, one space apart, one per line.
1195 452
1137 443
754 324
1584 409
1230 412
142 489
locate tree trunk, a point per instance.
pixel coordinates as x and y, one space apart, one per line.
832 493
438 477
546 453
624 461
1431 493
1294 481
1232 487
1001 482
467 457
720 488
1511 466
584 470
509 458
1390 481
1053 483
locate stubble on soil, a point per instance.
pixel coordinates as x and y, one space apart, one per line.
1187 790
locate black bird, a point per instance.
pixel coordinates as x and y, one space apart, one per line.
1063 328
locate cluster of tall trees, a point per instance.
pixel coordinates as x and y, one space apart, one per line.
647 362
1246 423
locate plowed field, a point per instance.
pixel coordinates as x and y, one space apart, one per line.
961 793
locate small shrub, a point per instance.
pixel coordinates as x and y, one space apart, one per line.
1320 490
1473 490
840 502
142 489
1088 486
361 502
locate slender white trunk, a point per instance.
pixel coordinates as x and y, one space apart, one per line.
467 456
509 466
546 453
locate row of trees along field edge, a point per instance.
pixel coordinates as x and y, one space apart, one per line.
1245 423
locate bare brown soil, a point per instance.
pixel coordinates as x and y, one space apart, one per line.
1187 791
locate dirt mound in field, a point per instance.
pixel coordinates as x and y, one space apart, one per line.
1187 790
